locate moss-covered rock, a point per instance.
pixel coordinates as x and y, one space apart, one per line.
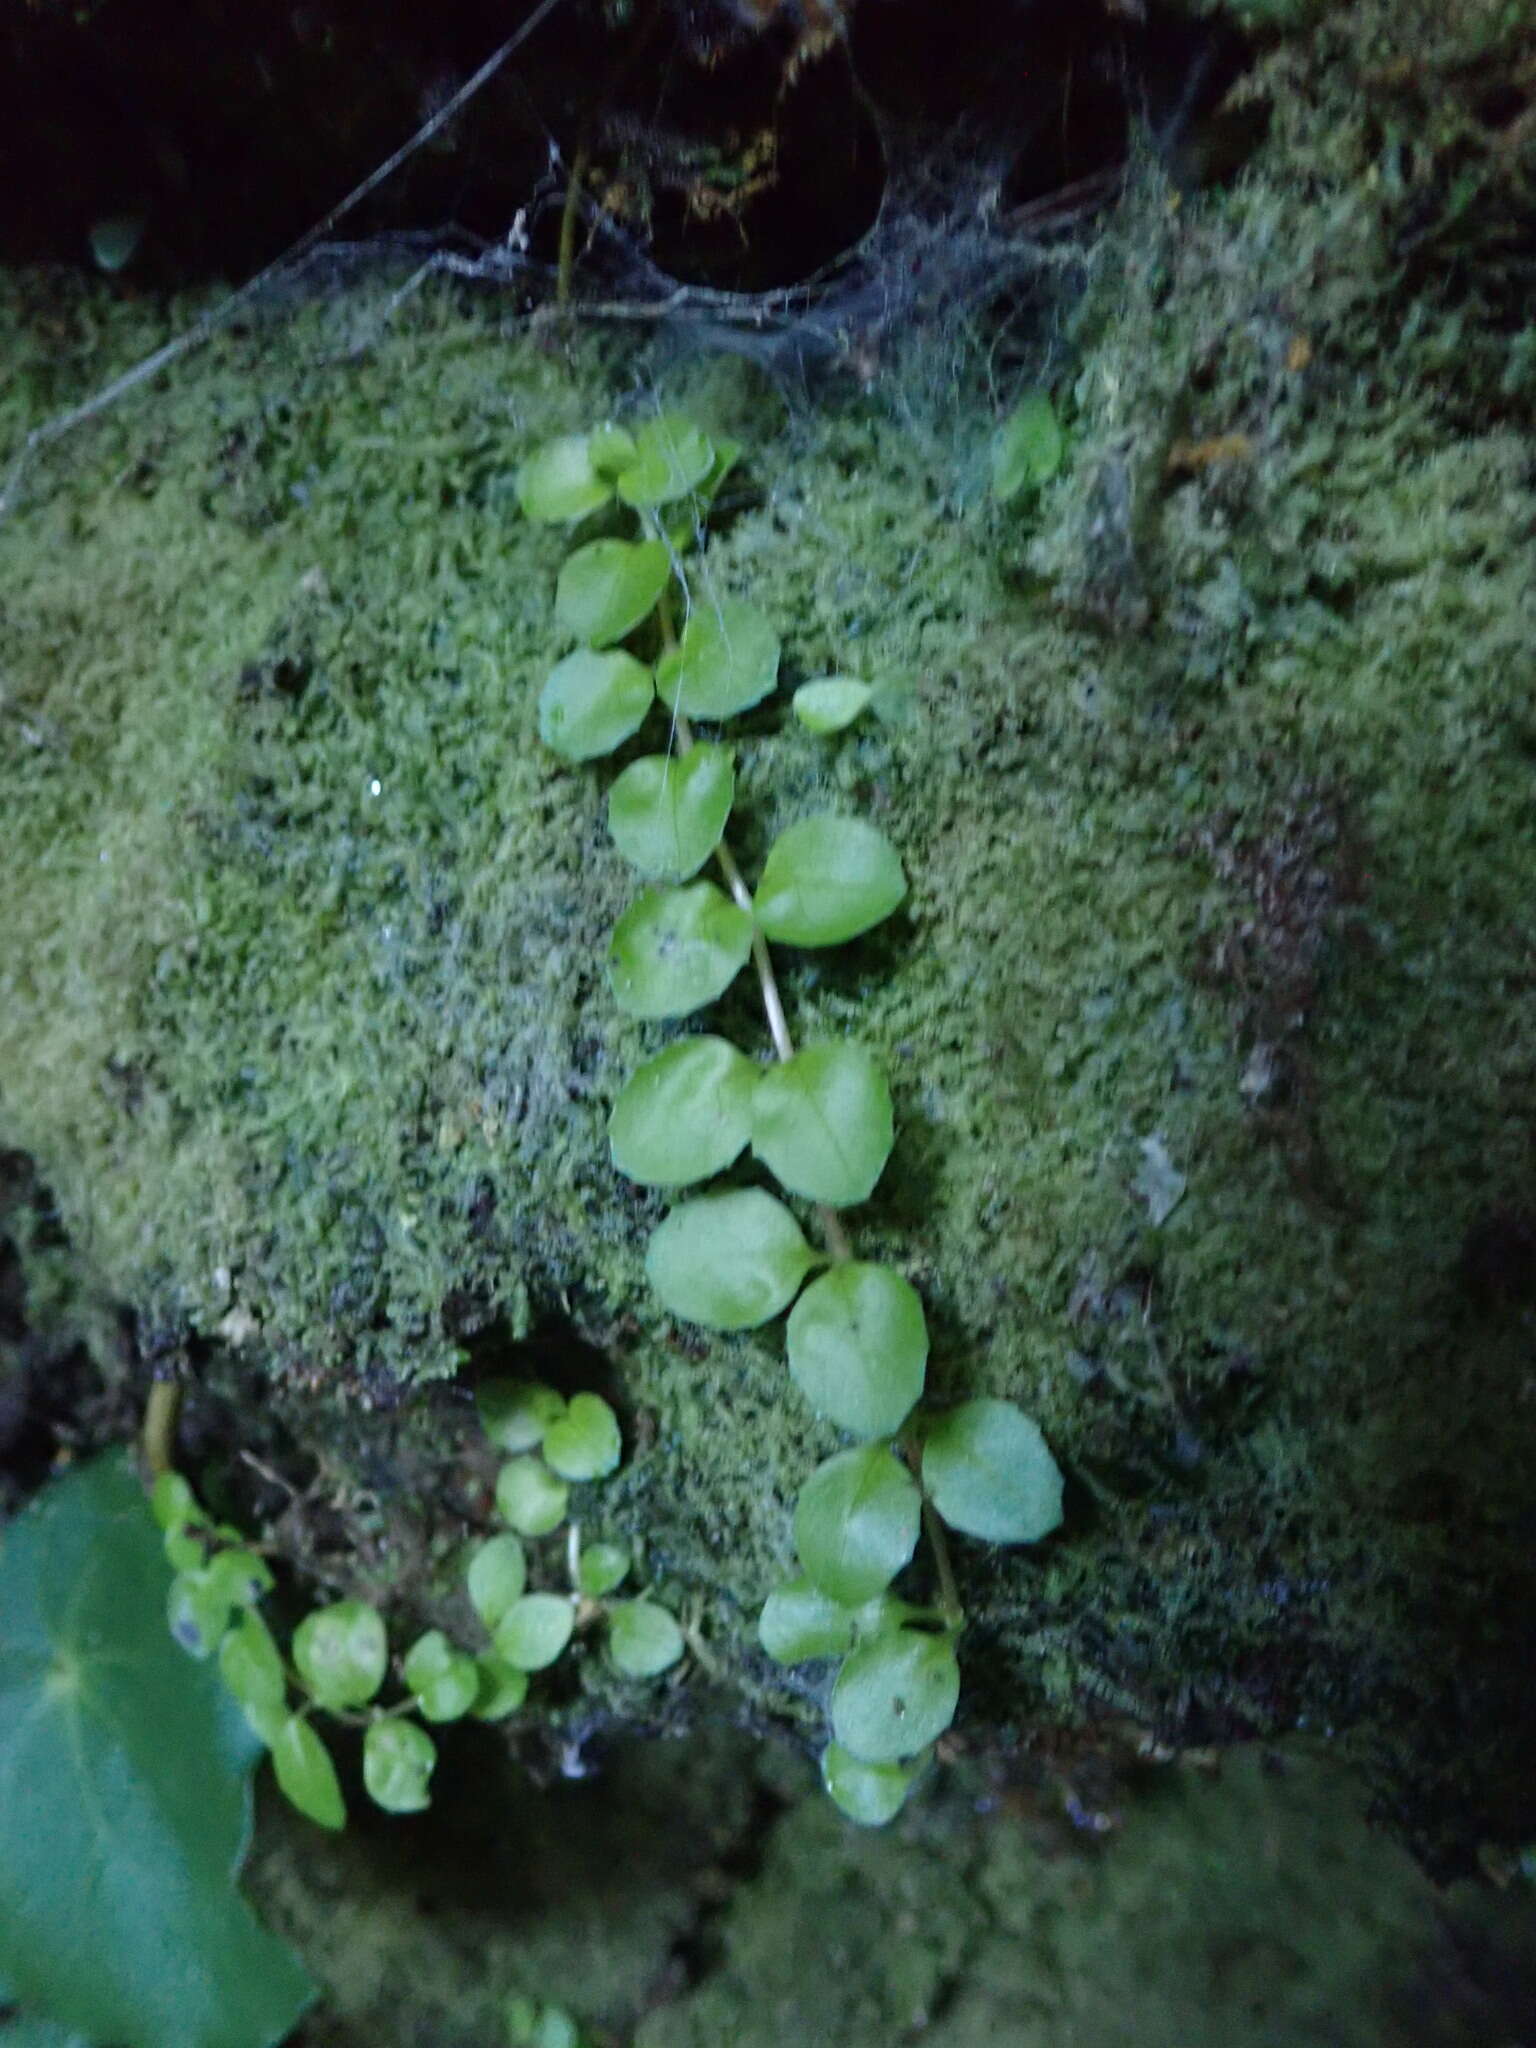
1208 1020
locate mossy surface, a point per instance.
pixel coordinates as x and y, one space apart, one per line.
1211 771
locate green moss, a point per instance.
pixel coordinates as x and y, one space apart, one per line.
1210 773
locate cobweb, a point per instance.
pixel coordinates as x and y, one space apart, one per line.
938 304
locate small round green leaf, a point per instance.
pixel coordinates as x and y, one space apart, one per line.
799 1621
685 1114
497 1575
895 1695
529 1497
830 703
503 1688
534 1630
584 1443
643 1638
858 1347
1027 448
828 879
558 482
188 1548
340 1652
592 703
728 1261
666 812
989 1472
821 1122
306 1777
603 1567
606 588
173 1503
856 1523
444 1681
251 1665
726 660
197 1611
674 950
871 1794
240 1575
515 1413
671 457
611 449
398 1759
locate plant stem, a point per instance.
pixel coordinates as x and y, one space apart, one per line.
938 1543
567 258
157 1435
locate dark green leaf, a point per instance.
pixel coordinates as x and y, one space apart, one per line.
603 1566
728 1261
124 1786
856 1523
671 457
503 1688
1027 448
828 879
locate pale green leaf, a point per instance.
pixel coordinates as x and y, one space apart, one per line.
197 1611
592 703
444 1681
497 1575
339 1652
306 1777
857 1344
584 1443
529 1497
124 1791
611 449
685 1114
398 1760
503 1688
799 1621
515 1413
672 456
830 703
251 1665
871 1794
726 660
666 812
989 1472
559 481
674 950
643 1638
534 1630
728 1261
895 1695
239 1575
856 1523
822 1123
173 1503
603 1567
828 879
1027 448
606 588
